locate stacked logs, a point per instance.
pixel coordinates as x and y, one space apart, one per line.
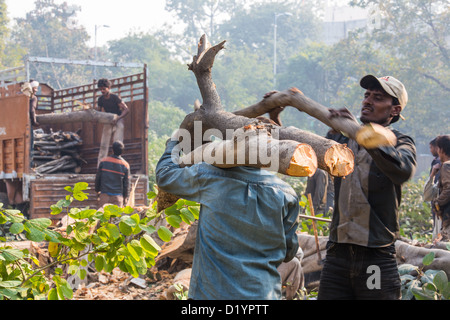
56 152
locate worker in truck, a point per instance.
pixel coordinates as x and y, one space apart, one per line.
112 180
111 103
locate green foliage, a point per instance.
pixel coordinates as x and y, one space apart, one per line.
420 285
306 225
113 238
415 214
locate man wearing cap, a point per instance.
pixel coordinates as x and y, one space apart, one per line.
361 261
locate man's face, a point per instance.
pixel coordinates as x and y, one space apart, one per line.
377 107
433 150
104 91
441 154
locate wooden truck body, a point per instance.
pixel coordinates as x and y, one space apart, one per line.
44 190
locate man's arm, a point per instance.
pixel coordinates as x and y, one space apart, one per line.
290 229
125 111
171 178
126 184
397 163
444 196
33 107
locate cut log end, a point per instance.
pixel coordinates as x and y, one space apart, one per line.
373 136
165 200
340 160
303 162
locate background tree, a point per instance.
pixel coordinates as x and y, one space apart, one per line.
47 31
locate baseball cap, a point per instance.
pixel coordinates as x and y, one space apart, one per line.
34 84
391 85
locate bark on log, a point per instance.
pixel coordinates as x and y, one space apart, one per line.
77 116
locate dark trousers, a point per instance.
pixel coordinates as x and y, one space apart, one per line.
353 272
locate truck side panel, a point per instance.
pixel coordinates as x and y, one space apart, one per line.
47 191
14 136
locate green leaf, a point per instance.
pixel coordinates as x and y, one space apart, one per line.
174 220
78 214
55 210
16 228
148 229
11 255
428 259
133 252
99 262
441 280
10 284
52 294
406 268
195 212
113 231
187 215
165 234
173 210
66 290
150 245
125 228
82 273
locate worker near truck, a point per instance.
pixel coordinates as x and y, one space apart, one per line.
112 180
361 257
111 103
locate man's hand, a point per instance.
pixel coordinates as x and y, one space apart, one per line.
343 113
435 169
269 94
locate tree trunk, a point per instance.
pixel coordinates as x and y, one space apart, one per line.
77 116
254 147
209 119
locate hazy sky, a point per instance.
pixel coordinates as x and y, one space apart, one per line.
123 16
120 15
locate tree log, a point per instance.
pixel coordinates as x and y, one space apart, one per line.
369 136
76 116
254 147
211 119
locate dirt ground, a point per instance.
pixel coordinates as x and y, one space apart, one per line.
120 286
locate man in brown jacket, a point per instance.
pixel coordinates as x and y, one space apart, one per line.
442 202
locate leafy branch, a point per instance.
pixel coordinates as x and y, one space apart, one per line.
110 238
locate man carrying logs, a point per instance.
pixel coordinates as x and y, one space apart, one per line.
247 226
360 262
111 103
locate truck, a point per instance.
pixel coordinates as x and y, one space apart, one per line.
41 191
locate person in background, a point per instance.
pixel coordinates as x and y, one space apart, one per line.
112 181
111 103
442 202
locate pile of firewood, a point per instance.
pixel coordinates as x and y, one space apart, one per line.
56 152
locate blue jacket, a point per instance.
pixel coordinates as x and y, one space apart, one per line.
247 228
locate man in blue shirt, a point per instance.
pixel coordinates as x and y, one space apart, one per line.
247 227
